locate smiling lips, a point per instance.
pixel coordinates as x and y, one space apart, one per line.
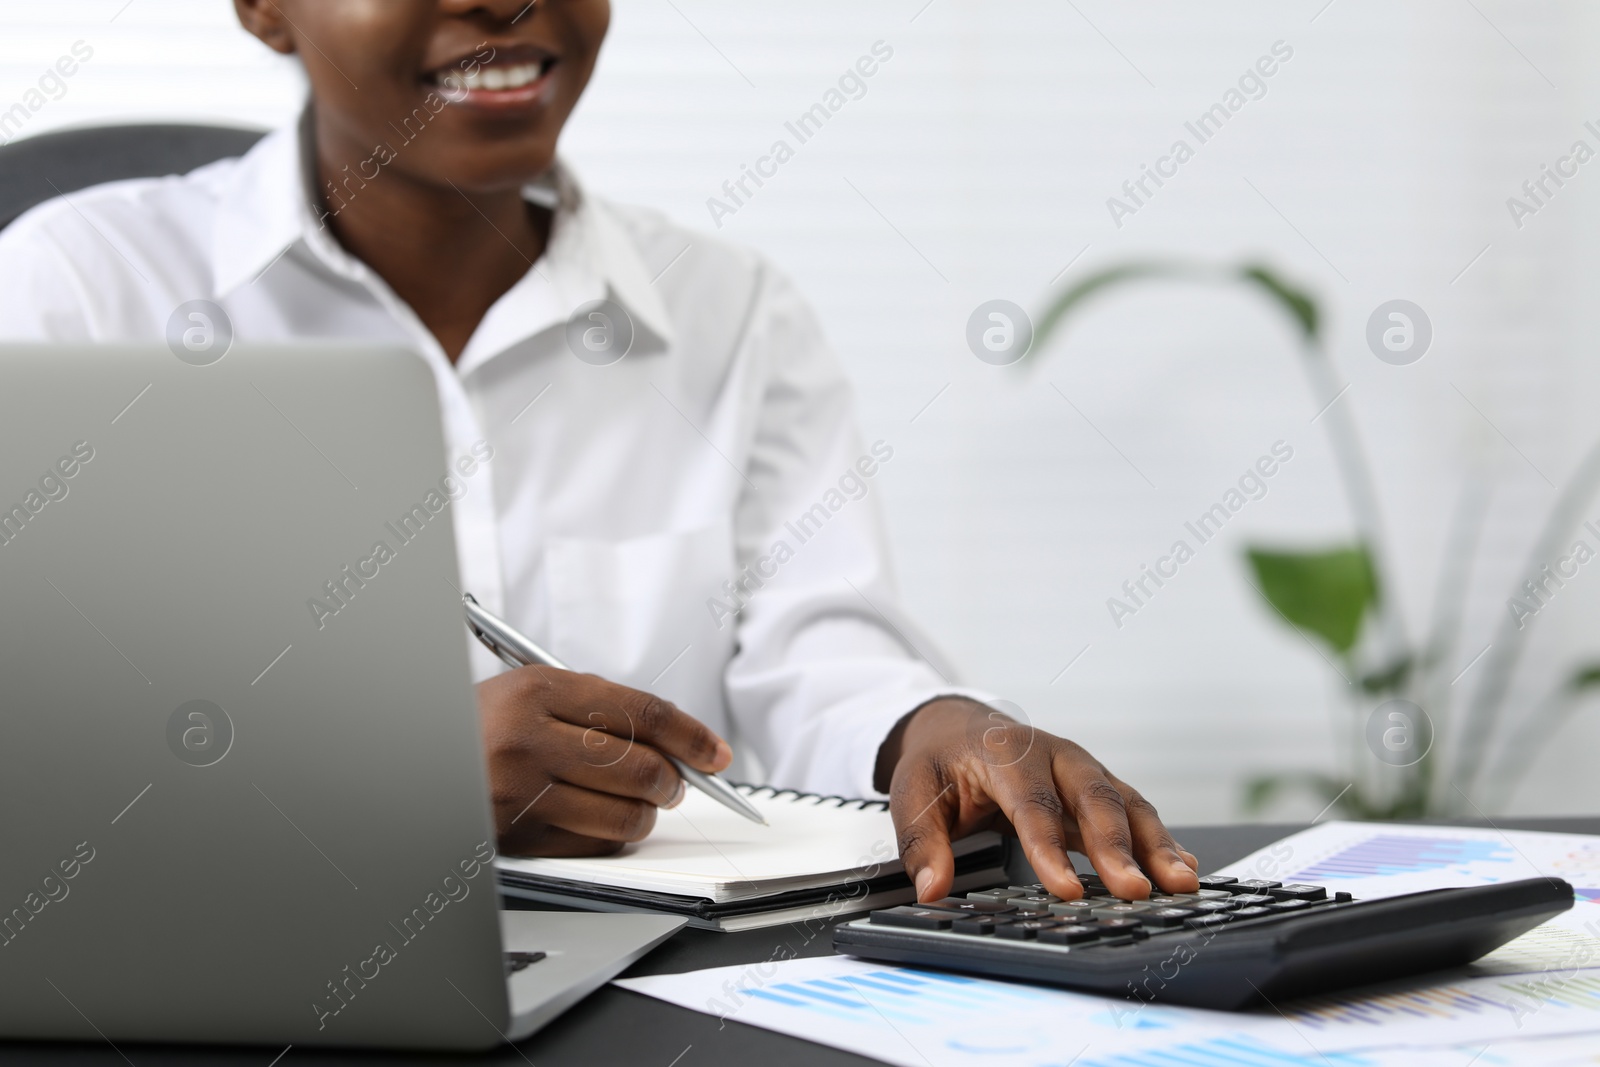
506 83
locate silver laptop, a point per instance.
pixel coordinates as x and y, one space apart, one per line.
229 814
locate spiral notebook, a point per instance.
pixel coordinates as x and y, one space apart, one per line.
821 855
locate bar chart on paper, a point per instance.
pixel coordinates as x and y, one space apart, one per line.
1579 992
1386 860
1373 861
1391 854
1231 1051
929 1019
1539 993
918 998
1241 1051
921 1018
1445 1003
1420 1012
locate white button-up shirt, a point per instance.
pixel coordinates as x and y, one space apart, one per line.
696 519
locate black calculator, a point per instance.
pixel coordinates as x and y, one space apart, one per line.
1232 944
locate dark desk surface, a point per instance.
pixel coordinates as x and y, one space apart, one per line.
617 1027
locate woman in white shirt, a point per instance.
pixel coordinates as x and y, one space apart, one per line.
678 499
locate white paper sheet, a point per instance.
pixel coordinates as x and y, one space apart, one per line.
702 849
1373 861
1537 1001
921 1018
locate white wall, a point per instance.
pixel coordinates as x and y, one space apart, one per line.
981 157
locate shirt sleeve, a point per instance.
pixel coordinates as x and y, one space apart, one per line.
826 660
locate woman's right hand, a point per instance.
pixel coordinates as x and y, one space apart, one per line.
577 764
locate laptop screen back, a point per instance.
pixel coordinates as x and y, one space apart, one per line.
242 792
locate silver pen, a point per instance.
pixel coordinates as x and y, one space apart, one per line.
518 650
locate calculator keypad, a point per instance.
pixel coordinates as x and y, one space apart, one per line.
978 924
974 907
1025 929
1031 915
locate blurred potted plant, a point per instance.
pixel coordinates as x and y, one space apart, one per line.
1339 597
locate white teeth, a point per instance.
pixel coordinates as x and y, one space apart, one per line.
493 78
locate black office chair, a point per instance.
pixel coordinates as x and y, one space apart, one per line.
34 169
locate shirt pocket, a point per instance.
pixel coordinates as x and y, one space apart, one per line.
636 611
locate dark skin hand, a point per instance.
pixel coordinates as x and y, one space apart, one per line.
420 166
955 766
575 762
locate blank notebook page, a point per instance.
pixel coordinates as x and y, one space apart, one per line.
701 849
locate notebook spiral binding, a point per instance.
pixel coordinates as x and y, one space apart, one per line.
773 793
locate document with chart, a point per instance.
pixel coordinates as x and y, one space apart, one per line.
930 1019
1534 1001
1373 861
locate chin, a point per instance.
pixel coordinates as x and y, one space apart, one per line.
489 168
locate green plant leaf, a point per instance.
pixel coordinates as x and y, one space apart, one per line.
1324 593
1107 279
1390 679
1584 678
1297 302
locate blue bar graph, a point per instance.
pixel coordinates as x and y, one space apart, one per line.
1225 1052
1439 1002
1565 990
918 997
1386 854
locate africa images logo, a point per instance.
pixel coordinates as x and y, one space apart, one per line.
453 888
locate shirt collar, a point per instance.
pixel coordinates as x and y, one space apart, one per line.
259 211
269 208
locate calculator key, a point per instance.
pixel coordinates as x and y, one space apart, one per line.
978 924
1089 878
1036 900
913 918
1253 912
1025 929
1069 908
1032 913
1281 906
1161 918
1251 899
1071 934
1023 890
1258 885
1342 897
1172 900
1210 921
993 894
1121 910
1300 892
1122 928
971 907
1204 894
1211 907
1217 881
